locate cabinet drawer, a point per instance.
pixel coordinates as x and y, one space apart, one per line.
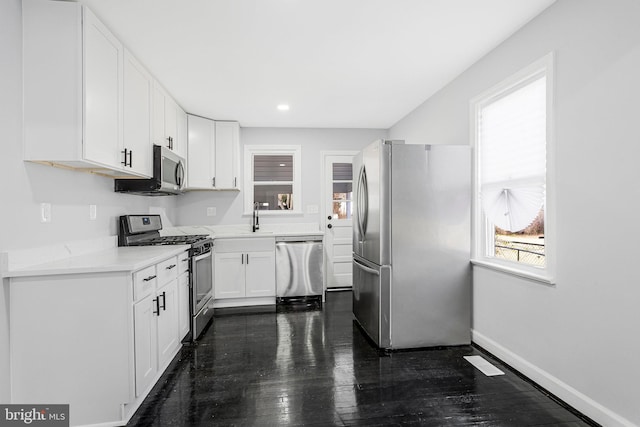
167 270
258 244
144 282
183 262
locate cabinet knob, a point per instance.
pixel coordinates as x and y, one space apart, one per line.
329 226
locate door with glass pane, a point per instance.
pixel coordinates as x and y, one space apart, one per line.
338 213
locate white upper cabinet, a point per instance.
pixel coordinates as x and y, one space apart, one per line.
182 142
74 90
138 90
167 117
201 159
227 141
103 56
212 154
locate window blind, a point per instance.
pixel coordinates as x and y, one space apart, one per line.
512 150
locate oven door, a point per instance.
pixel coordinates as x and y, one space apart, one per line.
202 283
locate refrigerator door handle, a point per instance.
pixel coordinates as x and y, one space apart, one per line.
365 268
363 202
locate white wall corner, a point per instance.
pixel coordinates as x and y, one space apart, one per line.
563 391
4 263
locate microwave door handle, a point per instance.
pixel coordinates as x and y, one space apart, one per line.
180 174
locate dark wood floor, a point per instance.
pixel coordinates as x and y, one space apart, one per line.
315 368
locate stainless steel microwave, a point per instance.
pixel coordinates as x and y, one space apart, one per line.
168 176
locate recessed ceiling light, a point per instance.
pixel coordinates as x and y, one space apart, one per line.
282 165
283 107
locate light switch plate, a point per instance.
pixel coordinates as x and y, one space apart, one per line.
45 212
312 209
93 212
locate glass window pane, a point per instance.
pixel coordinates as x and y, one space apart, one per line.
342 172
342 210
342 187
273 197
526 246
273 168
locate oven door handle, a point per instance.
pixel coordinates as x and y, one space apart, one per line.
203 256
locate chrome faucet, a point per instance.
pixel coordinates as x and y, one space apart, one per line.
256 220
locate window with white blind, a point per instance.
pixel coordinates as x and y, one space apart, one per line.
272 178
512 137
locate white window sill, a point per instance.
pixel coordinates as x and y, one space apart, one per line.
514 271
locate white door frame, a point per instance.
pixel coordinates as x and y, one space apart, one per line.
324 195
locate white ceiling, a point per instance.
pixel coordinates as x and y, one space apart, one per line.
337 63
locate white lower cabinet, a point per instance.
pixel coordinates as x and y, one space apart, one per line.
103 338
156 321
145 343
184 301
244 271
167 317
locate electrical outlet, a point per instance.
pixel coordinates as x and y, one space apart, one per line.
211 211
93 212
45 212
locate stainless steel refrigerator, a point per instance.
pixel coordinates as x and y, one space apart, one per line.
411 243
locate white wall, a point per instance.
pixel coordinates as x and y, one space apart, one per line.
580 337
24 185
192 207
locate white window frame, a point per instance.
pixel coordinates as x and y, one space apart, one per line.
480 232
284 150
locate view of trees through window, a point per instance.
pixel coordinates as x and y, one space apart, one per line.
526 246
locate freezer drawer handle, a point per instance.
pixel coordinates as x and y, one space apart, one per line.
365 268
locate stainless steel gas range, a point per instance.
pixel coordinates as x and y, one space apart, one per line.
144 230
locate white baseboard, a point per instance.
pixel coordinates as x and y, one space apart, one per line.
563 391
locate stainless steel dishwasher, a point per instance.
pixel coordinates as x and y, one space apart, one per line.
299 268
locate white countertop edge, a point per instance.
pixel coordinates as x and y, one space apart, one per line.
116 259
24 258
243 231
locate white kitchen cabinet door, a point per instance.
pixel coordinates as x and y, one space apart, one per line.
145 343
171 122
167 322
260 277
137 98
201 159
183 306
229 278
181 145
103 56
227 143
158 116
165 120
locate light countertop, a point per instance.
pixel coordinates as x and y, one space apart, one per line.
123 259
244 231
